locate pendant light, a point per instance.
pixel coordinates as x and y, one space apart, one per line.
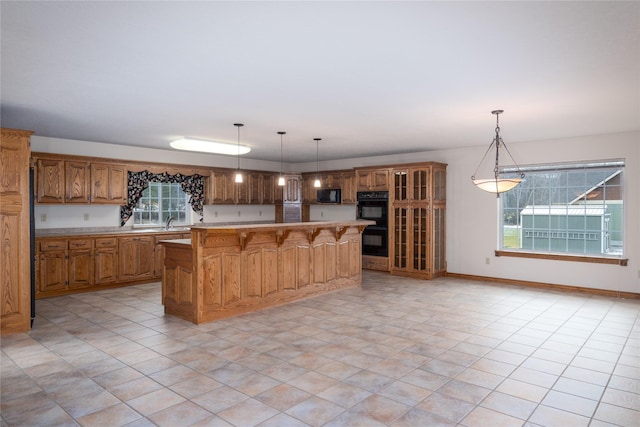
281 179
238 174
316 183
496 184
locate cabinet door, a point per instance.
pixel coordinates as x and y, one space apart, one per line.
52 269
309 192
439 184
106 265
136 258
269 186
332 180
243 190
420 184
223 189
254 187
50 181
80 265
439 239
108 184
293 189
146 257
349 188
363 180
380 180
77 182
278 190
372 180
400 238
420 252
159 252
400 182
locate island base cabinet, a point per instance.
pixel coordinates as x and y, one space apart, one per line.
221 274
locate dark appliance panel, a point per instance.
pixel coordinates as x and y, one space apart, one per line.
374 206
375 241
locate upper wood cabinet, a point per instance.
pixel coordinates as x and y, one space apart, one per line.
349 193
256 188
77 176
60 180
344 180
108 184
15 280
49 180
372 179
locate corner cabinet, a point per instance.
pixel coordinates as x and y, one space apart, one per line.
15 280
417 226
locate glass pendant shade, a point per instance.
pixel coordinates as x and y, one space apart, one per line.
317 183
497 184
238 179
281 179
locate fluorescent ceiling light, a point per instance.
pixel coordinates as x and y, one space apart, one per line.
190 144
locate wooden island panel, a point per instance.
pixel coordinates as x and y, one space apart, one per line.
225 271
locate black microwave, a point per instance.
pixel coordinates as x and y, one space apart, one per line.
329 195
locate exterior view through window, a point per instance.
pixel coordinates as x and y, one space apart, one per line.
159 202
570 208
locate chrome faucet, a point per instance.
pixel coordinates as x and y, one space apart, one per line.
167 225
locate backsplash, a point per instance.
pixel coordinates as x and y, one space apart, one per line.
75 216
96 216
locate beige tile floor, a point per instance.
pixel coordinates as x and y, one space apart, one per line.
395 352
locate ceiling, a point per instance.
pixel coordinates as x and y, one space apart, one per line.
369 78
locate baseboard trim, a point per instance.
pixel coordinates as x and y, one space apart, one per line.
549 286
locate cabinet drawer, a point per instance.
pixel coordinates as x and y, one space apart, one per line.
52 245
375 263
106 242
80 244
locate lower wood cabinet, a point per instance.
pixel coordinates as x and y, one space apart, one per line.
106 260
66 265
52 266
136 255
80 263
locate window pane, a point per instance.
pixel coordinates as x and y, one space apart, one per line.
159 202
571 208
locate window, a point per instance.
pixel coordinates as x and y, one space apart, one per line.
570 208
160 201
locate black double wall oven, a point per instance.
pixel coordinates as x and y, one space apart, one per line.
374 206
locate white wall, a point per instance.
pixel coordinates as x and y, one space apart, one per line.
472 232
332 212
239 213
76 216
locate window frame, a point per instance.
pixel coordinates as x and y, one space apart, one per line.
161 217
601 258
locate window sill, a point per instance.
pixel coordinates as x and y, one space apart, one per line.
558 257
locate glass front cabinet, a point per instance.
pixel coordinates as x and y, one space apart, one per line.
417 226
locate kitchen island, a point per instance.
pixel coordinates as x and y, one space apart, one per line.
228 270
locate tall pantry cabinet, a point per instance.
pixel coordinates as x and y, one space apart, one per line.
15 262
418 207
